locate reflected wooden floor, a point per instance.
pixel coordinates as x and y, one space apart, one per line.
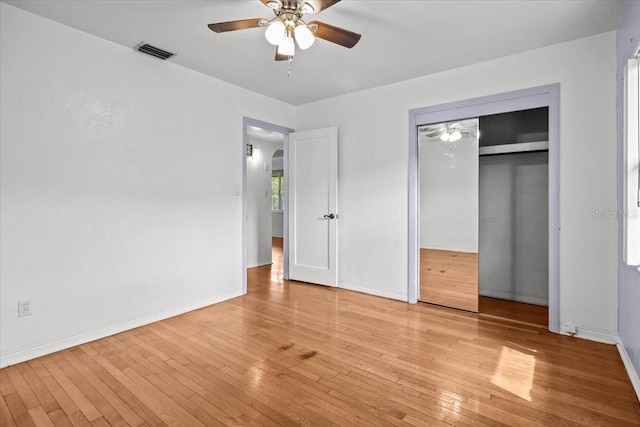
449 278
298 354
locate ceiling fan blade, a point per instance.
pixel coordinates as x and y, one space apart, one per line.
319 5
280 57
242 24
336 35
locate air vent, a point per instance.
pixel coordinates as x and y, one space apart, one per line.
153 51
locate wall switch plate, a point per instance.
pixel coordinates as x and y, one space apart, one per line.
24 307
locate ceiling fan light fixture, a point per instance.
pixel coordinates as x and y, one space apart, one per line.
454 136
287 47
275 32
445 137
275 5
304 36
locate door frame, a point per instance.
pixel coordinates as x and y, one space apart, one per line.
536 97
248 121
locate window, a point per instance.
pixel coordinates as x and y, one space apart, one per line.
631 179
277 191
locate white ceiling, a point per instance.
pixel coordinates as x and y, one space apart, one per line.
401 39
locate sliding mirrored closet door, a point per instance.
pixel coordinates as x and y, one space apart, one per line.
449 185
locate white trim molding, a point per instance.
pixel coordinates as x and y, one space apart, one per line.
631 178
374 292
596 335
633 374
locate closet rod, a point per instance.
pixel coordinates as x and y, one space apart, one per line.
522 147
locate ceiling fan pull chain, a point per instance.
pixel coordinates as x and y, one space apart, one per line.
289 66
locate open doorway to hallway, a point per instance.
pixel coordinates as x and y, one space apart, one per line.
264 198
270 274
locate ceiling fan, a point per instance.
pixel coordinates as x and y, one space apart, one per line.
288 26
448 132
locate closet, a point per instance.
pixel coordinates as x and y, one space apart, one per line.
483 190
513 206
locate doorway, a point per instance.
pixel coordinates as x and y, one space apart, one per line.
278 185
261 140
541 97
484 215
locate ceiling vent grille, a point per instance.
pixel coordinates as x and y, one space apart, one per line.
153 51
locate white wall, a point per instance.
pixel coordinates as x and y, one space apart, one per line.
277 163
115 207
373 128
277 224
259 218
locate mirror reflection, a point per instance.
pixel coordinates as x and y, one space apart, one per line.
449 181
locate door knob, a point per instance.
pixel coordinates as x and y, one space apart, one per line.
330 216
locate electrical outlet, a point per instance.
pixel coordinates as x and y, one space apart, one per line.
24 307
571 329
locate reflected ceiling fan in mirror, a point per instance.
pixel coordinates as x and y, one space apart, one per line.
447 132
288 26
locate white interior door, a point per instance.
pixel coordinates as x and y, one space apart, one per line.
313 206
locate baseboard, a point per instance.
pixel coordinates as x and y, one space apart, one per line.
260 264
590 334
509 296
376 292
25 354
631 371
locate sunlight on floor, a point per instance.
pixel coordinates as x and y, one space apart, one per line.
514 372
256 373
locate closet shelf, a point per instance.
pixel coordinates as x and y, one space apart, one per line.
522 147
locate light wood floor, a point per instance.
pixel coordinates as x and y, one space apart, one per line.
299 354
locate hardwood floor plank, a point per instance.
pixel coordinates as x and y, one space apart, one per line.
78 419
40 417
95 397
59 418
140 409
55 389
72 389
18 410
122 410
6 386
22 388
6 419
46 399
192 408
